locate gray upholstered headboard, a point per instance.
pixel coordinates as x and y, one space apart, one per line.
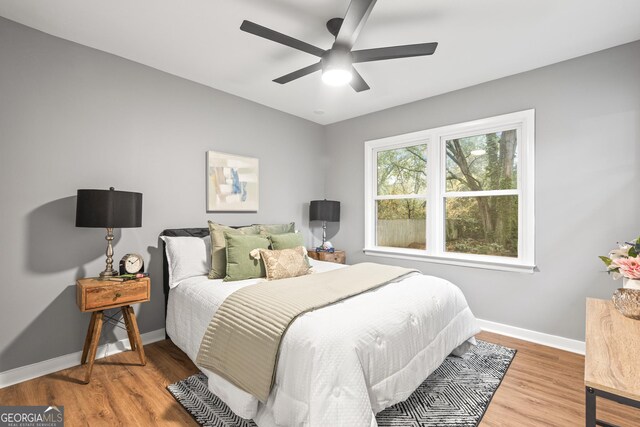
175 232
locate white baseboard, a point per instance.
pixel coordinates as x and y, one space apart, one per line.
554 341
45 367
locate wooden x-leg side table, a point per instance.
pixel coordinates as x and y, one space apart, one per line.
95 296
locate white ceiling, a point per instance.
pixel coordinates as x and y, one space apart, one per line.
200 40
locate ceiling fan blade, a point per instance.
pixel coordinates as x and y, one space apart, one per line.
354 21
299 73
357 82
264 32
393 52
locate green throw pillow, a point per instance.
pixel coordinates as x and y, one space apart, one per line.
218 268
240 264
267 229
286 241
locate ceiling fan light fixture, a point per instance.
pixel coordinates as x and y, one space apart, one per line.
336 77
336 67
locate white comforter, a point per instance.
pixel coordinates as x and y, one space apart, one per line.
341 364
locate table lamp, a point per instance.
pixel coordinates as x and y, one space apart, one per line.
109 209
324 210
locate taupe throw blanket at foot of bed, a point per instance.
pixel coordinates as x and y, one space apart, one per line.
243 339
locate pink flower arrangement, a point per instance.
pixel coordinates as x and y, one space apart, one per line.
628 267
624 261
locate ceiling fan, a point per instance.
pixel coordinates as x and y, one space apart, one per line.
337 63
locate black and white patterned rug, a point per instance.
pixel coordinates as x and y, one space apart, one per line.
456 394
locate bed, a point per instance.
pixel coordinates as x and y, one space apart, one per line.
339 365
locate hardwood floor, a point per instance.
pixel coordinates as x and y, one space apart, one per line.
121 392
543 387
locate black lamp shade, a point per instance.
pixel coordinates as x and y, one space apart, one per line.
324 210
108 209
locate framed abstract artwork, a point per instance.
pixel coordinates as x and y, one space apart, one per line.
232 183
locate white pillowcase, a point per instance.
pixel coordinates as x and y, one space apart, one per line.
187 257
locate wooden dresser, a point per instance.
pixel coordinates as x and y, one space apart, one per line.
612 359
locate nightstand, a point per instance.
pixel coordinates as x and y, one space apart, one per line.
96 295
338 257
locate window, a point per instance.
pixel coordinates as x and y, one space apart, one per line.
459 194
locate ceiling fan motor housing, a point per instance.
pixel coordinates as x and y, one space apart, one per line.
337 58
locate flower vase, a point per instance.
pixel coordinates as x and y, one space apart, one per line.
627 302
630 283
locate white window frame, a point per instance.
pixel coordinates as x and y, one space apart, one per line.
524 123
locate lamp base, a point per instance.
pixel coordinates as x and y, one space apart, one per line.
109 271
324 232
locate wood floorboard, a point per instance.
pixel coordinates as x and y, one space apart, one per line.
543 387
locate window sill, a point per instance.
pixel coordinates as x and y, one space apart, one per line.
488 263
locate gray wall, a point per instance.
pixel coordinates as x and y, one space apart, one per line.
72 117
587 175
68 114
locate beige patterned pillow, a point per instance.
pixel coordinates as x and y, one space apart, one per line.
285 263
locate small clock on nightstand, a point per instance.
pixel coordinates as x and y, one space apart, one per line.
131 264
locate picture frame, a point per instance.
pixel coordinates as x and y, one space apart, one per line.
232 183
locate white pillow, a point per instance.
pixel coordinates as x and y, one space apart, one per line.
187 257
